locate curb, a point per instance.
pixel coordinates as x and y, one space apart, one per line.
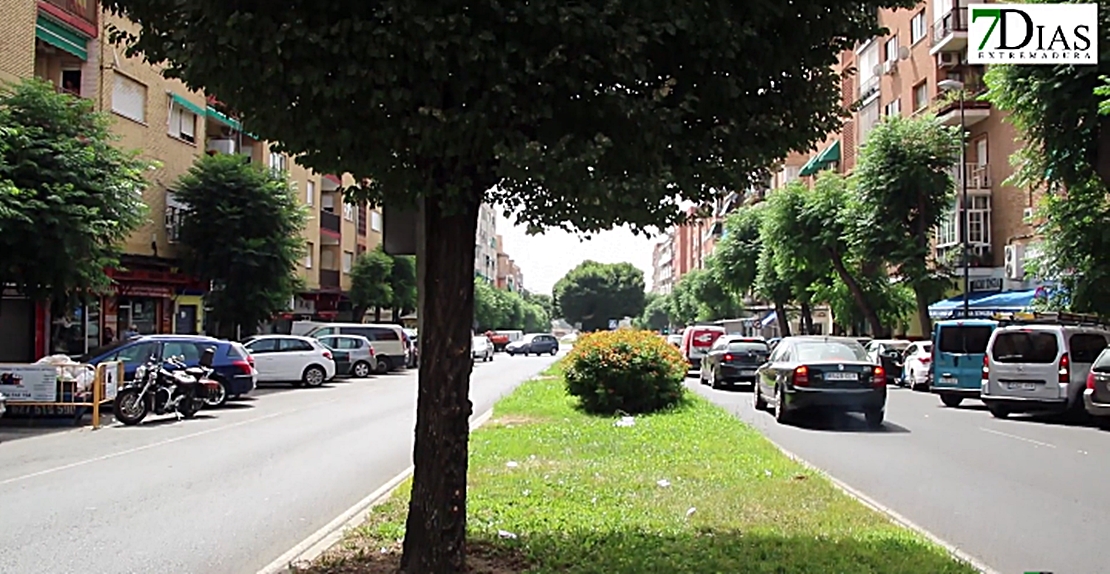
320 541
893 516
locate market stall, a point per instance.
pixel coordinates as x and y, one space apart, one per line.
58 386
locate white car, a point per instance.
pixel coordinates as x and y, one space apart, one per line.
303 361
481 348
916 362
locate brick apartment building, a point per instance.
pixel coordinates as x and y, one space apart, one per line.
64 42
509 274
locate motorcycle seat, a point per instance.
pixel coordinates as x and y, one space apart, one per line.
197 372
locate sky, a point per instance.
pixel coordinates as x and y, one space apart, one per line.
544 259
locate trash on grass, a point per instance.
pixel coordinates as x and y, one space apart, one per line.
512 464
625 422
691 511
506 534
664 483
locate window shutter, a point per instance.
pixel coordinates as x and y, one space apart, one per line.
188 124
129 98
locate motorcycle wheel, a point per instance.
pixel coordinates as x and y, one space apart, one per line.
190 406
129 408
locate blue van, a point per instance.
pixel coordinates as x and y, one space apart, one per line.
959 347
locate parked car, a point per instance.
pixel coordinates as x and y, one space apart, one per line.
388 341
959 349
534 344
1039 367
696 342
290 358
414 346
889 353
1096 398
481 348
353 354
232 365
917 360
675 340
818 372
733 360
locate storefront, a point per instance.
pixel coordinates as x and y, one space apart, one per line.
23 328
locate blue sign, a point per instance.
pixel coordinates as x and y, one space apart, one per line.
613 324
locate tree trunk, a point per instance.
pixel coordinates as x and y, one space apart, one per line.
357 313
377 314
435 532
923 310
782 318
807 318
859 296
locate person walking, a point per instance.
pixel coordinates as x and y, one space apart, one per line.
132 332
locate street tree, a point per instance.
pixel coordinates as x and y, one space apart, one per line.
594 293
68 196
656 315
715 299
542 299
584 116
773 287
682 304
488 314
904 188
1056 112
737 253
402 284
241 231
372 283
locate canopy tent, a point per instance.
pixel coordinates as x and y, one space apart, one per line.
770 318
983 304
822 160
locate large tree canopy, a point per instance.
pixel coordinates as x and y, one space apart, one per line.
241 229
585 115
68 197
371 283
595 293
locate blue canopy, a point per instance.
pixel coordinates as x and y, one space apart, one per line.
983 304
770 318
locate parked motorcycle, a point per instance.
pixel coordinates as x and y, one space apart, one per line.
182 390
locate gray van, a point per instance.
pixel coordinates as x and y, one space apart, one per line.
1039 367
388 341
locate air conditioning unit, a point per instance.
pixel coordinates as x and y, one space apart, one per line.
1027 215
948 59
890 67
1015 262
225 146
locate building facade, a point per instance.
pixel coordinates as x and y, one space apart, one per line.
662 265
509 274
485 244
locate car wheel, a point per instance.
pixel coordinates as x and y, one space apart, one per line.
874 417
951 401
911 381
554 351
713 382
998 411
361 369
313 376
757 399
383 365
780 406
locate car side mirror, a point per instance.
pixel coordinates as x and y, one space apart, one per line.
207 357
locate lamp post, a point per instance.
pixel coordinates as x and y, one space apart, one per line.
958 87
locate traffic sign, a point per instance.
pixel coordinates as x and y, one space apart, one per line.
613 324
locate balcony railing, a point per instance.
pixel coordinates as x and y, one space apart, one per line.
869 87
86 10
329 278
978 176
329 221
953 21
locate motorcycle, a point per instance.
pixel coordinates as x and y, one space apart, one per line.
182 390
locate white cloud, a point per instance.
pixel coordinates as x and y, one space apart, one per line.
544 259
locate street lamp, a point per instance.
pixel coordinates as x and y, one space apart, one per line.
958 87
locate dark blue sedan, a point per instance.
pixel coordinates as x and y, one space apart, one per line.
233 365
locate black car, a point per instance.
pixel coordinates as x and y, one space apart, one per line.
815 372
534 344
733 360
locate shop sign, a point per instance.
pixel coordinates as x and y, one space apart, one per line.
29 383
986 284
154 291
111 379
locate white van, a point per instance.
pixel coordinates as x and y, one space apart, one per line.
1039 367
389 341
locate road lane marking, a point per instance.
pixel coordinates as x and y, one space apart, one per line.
145 447
1016 437
318 542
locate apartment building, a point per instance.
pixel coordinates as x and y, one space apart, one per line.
662 265
64 42
509 274
485 244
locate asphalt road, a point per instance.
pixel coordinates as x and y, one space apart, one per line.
227 492
1020 495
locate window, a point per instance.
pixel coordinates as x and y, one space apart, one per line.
1038 347
348 261
1086 347
893 108
979 220
278 162
308 255
294 345
868 117
890 49
137 353
129 98
917 27
183 123
348 211
310 193
790 173
830 351
964 339
947 232
754 347
180 349
71 81
263 346
175 211
920 95
868 75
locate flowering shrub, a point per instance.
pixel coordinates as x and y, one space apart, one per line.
631 371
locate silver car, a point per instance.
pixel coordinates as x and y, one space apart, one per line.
354 354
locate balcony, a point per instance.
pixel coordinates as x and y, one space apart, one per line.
978 176
330 222
950 32
329 279
869 87
81 14
974 109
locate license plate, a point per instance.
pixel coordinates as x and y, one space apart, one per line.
841 377
747 373
948 381
1021 386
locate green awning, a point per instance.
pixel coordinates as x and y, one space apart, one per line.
62 37
185 103
224 119
822 160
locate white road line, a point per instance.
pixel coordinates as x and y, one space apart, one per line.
1016 437
318 542
145 447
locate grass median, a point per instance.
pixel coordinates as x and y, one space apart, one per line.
692 490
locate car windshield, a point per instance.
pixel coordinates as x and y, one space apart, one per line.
1030 347
814 351
964 339
479 341
747 347
101 351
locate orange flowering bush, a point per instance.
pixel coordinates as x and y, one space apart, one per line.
631 371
